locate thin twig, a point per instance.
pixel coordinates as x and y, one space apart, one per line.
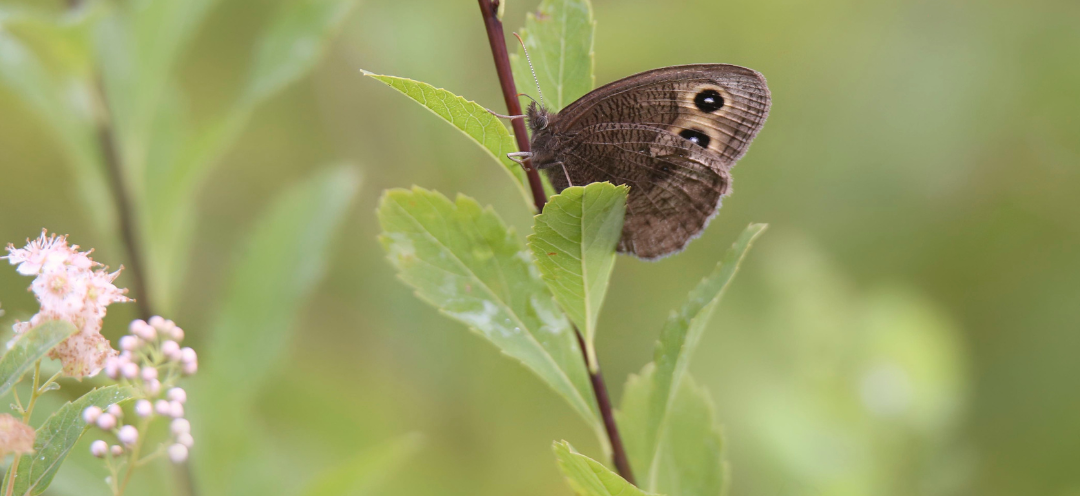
110 151
497 40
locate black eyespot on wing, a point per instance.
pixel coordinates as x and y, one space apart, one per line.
696 137
709 101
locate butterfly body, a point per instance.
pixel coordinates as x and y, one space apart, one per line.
671 134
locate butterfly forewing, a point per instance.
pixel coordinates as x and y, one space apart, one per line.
671 134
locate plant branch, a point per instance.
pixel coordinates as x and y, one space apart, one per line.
113 162
618 451
111 155
497 39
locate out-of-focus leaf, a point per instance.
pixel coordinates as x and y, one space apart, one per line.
589 477
30 347
278 267
559 37
62 104
57 436
469 117
293 43
365 473
573 242
463 260
648 409
689 458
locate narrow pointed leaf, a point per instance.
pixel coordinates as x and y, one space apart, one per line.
559 37
589 477
649 404
462 259
29 347
57 436
573 242
468 117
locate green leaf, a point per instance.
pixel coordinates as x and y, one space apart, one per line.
28 348
559 37
367 472
589 477
689 454
463 260
469 117
293 43
278 266
573 242
647 406
57 436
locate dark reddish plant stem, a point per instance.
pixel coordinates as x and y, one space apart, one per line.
497 40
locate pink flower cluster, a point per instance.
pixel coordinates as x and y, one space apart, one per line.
70 286
151 363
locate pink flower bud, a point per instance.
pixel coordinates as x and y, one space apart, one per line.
180 426
129 343
128 435
115 410
91 414
178 453
116 450
135 324
188 355
146 332
177 394
176 409
144 408
156 321
149 373
162 407
171 350
129 370
106 421
189 368
185 439
112 368
178 334
167 327
99 448
153 387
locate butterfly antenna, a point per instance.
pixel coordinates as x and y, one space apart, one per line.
533 71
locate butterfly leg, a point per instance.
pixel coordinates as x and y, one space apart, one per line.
565 173
511 117
519 158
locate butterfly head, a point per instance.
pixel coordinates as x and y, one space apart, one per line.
538 116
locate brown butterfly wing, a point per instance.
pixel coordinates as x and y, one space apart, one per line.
672 134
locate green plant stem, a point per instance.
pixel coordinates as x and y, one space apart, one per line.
110 151
34 394
133 458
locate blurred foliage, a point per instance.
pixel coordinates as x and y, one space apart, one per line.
909 325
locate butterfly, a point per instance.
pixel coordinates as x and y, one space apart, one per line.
672 134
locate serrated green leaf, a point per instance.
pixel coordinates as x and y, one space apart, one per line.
463 260
648 405
367 472
589 477
281 261
573 242
29 347
57 436
689 458
559 37
467 116
293 43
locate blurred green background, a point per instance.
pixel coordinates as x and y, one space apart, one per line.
909 324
